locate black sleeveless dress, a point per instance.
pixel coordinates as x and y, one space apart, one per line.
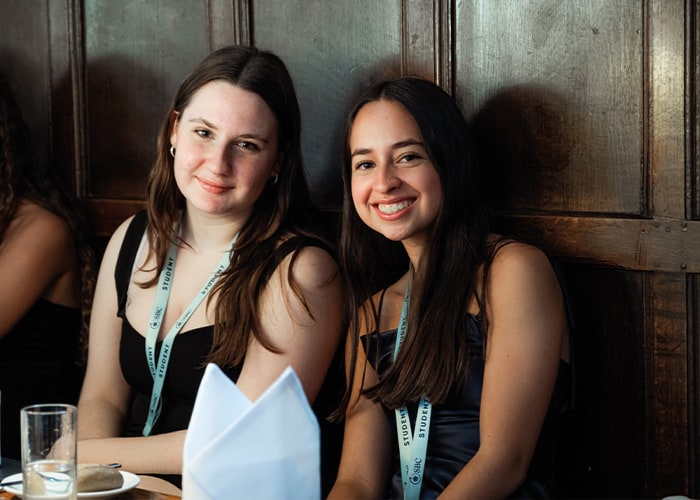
39 363
454 425
187 363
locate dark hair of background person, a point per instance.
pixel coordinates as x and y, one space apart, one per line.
21 176
283 207
449 270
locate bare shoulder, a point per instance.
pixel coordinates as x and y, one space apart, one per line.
515 258
118 235
35 223
522 276
313 266
115 241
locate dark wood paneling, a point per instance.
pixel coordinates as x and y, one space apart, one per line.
24 62
427 41
137 52
558 89
668 387
692 45
604 455
666 148
68 92
694 385
341 47
668 245
229 22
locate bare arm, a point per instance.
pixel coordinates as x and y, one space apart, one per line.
307 342
527 327
105 395
366 458
37 259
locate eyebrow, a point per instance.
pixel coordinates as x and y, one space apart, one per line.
210 125
397 145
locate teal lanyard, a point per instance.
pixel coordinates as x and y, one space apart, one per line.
160 303
412 446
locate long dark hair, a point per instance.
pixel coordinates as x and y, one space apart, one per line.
282 207
23 177
435 354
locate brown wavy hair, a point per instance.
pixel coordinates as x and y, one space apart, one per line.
282 208
22 177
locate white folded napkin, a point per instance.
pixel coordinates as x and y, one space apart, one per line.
240 450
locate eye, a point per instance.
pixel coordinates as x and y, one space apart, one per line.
247 145
363 165
409 157
202 132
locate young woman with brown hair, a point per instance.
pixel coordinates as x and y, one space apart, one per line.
228 217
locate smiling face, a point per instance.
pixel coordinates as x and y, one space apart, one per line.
226 149
395 188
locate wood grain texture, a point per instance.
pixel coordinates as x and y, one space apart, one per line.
556 91
339 48
668 390
666 245
136 54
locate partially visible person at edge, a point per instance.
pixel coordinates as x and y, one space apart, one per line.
46 280
481 370
227 191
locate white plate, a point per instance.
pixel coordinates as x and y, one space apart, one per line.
131 480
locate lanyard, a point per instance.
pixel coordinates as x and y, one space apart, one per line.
159 305
412 446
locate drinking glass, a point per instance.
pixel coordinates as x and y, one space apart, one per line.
48 452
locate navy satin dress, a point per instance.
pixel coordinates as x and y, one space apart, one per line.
454 426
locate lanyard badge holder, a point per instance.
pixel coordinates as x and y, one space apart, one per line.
412 445
159 305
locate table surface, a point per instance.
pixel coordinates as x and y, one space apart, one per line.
10 466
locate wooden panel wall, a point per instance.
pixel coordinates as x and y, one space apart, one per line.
585 112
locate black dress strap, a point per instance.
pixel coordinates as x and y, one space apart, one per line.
127 256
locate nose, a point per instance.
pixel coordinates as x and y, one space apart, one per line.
386 179
219 161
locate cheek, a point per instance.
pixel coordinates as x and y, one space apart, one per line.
358 192
433 187
179 176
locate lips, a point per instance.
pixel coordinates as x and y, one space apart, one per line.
394 210
212 187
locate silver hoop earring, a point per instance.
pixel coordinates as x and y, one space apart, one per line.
172 151
275 179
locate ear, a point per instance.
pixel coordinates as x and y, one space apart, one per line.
174 127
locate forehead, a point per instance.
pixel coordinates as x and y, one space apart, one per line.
223 103
384 120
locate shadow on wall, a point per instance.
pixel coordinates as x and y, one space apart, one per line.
323 162
29 87
525 139
126 104
605 444
524 142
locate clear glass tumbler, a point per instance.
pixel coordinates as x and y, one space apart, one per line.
49 452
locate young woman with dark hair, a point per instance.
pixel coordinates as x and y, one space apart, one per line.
46 280
227 213
464 404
